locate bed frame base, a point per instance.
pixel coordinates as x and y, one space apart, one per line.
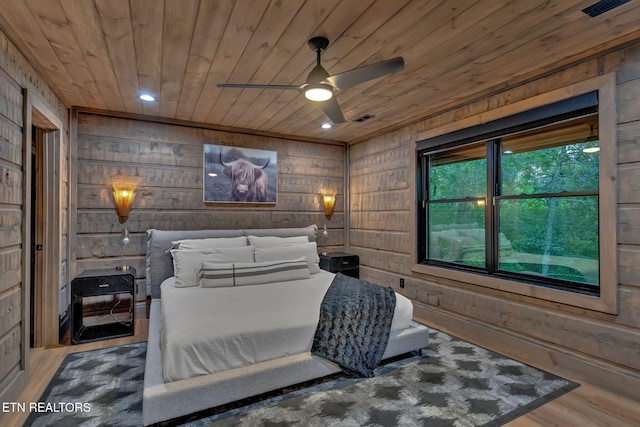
163 402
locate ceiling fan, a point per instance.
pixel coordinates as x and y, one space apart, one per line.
319 86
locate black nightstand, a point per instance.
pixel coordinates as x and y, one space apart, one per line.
91 283
347 264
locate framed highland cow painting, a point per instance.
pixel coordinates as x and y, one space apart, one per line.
239 175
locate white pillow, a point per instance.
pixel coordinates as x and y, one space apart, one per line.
271 241
214 275
187 262
307 250
211 243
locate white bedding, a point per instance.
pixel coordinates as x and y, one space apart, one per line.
207 330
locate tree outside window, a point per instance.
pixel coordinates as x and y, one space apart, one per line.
523 204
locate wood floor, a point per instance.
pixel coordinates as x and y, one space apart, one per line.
587 405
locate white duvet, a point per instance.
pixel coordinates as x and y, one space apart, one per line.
207 330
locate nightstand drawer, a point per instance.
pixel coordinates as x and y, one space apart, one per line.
340 262
102 285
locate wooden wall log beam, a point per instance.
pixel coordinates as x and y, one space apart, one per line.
10 314
387 251
165 160
18 79
10 346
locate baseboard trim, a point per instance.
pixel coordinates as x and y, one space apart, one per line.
555 359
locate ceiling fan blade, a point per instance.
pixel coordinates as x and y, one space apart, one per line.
364 74
332 110
251 86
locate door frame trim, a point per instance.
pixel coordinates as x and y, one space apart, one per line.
38 114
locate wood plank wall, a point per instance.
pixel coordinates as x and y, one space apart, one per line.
382 217
11 202
16 74
166 161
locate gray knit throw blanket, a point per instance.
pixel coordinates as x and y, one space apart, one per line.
354 325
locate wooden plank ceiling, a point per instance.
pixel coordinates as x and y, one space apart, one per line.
101 54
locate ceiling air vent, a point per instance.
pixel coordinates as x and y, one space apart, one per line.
602 6
364 118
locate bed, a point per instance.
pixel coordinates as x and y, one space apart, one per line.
256 348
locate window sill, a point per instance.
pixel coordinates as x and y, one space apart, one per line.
605 303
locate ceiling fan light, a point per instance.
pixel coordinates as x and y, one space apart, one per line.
318 92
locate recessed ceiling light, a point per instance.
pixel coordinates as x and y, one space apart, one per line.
212 174
591 150
147 97
326 126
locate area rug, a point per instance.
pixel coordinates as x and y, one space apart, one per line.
94 388
452 383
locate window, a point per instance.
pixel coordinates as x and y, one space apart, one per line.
517 198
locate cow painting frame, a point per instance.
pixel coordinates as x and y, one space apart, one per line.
236 175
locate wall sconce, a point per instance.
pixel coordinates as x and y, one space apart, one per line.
123 197
329 201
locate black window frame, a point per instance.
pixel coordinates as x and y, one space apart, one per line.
491 133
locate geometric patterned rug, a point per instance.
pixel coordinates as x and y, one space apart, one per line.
95 388
453 383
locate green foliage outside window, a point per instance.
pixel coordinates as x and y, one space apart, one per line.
546 203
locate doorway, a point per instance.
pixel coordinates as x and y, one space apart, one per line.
35 303
46 278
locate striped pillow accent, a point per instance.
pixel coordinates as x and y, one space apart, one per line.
307 250
187 262
215 275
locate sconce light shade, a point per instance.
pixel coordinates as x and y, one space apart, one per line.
329 201
123 197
